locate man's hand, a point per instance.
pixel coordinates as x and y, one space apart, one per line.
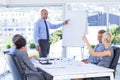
85 61
38 48
66 22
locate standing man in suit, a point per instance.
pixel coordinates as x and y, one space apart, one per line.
98 48
41 33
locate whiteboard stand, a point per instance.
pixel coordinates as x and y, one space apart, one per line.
82 49
64 51
73 31
82 52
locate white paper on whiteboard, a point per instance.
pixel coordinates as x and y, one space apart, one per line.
76 26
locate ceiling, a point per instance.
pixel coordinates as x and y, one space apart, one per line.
30 3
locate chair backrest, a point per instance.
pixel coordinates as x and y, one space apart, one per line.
115 59
12 65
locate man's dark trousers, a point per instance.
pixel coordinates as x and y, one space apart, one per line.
45 47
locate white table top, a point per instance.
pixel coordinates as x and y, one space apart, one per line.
73 67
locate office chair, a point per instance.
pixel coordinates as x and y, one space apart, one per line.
14 70
115 58
114 61
17 71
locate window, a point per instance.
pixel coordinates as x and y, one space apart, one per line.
22 19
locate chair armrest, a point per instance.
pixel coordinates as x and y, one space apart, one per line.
37 74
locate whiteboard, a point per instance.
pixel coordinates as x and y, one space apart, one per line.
72 32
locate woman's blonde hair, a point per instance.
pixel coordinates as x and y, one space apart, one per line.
107 36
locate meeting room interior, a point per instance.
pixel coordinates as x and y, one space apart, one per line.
60 39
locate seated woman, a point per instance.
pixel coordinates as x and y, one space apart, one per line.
15 37
26 64
107 54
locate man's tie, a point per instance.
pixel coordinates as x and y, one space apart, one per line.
46 29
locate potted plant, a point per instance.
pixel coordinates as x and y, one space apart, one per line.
93 46
8 46
115 31
32 46
32 52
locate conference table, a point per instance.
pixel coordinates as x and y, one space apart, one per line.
71 69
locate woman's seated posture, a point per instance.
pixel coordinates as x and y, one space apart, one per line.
21 53
106 55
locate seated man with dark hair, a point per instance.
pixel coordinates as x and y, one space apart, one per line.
21 53
98 48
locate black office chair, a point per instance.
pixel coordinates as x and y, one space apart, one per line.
17 71
114 61
115 58
14 70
